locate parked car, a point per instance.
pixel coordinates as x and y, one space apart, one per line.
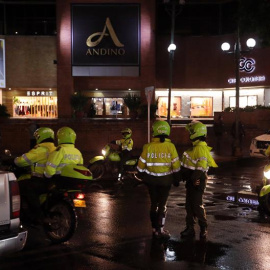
12 235
259 144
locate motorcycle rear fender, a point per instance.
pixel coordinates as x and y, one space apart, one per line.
76 172
96 159
265 190
131 162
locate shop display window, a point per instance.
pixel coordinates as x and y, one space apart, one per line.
45 107
244 101
175 107
201 106
109 106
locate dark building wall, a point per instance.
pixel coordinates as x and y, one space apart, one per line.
29 61
199 62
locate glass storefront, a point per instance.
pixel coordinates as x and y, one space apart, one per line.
32 103
175 107
35 107
201 106
109 106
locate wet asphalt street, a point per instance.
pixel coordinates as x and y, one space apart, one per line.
115 233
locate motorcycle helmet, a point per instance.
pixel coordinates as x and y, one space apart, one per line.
126 133
43 133
66 135
161 128
196 129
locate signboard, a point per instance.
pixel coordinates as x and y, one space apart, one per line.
105 35
2 64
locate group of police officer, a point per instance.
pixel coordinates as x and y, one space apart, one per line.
159 165
46 161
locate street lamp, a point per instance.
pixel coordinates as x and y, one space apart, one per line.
237 54
172 47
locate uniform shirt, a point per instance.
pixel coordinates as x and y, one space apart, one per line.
159 158
36 158
198 157
126 144
63 155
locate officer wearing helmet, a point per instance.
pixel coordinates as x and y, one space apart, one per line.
126 144
159 165
194 166
36 158
66 153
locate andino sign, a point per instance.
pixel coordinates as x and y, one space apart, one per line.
105 34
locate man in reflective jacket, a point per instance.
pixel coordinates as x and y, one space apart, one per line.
194 166
159 163
36 158
65 153
126 144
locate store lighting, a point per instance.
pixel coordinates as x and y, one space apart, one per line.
96 89
129 89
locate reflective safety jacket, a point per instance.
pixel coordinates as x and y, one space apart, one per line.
36 158
159 158
126 144
198 157
63 155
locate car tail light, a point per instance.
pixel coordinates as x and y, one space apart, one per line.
80 196
15 200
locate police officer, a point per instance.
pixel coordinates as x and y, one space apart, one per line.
36 158
126 144
194 166
159 163
65 153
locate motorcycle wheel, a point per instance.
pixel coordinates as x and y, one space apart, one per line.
97 170
63 222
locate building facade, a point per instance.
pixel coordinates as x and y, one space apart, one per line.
110 49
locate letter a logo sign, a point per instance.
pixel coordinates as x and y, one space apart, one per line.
90 43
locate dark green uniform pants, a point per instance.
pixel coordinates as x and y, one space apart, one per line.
159 190
194 206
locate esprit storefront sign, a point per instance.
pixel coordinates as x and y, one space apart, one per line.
105 35
247 65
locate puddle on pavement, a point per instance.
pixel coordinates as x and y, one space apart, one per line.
203 252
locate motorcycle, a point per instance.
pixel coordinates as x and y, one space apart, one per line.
109 162
61 204
264 192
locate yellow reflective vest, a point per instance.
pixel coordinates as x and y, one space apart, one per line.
126 144
36 158
63 155
198 157
159 158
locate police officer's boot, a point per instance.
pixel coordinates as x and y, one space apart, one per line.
188 232
203 232
160 232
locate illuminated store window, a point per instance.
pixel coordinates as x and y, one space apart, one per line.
175 107
35 106
109 106
244 101
201 106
